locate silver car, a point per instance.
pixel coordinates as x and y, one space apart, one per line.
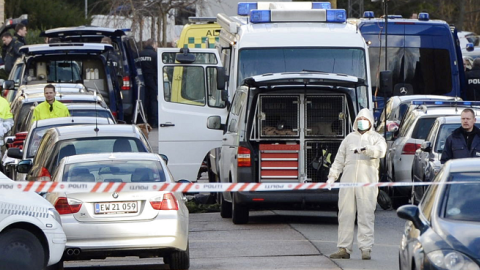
125 223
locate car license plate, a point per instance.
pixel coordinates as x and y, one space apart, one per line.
116 208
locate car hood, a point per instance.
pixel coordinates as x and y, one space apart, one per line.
461 236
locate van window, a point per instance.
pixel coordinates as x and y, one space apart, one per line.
186 85
214 95
422 128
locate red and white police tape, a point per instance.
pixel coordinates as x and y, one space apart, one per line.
44 186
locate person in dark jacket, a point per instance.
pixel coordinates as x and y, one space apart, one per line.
464 142
473 81
113 63
10 50
148 59
20 33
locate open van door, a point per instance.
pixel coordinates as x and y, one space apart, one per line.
188 93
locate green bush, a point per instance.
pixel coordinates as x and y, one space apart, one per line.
202 208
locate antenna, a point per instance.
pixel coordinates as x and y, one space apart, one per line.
96 112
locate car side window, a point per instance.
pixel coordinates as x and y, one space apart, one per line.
406 124
235 110
422 128
428 200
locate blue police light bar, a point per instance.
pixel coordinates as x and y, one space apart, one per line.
456 103
260 16
336 15
423 16
321 5
245 7
126 29
368 14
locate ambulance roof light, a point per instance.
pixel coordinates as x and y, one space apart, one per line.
336 15
245 7
319 15
436 102
423 16
321 5
368 14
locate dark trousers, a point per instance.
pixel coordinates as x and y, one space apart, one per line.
151 103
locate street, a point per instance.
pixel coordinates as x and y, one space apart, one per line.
272 240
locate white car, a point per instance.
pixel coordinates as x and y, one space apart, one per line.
131 222
31 231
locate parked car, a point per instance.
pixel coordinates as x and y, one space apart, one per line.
72 63
60 142
31 231
426 161
28 150
442 231
413 130
124 46
123 223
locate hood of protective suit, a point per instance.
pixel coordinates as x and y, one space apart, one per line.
365 113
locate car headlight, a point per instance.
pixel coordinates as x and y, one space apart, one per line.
55 215
452 260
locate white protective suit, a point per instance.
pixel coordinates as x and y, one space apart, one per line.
358 168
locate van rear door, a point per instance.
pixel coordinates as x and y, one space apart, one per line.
187 96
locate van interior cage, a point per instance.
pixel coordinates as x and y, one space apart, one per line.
319 156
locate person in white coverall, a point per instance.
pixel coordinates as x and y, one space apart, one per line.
358 161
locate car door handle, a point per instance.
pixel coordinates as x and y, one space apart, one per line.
168 124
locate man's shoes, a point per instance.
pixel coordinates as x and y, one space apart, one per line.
366 254
340 254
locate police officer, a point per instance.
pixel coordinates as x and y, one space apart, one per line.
148 59
20 33
473 81
10 50
113 63
50 108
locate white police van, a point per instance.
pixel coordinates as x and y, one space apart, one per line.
31 234
309 41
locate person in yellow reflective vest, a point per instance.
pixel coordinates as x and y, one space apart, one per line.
50 108
6 118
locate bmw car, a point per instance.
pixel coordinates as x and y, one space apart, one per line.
442 231
133 222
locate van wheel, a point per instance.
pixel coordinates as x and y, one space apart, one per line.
178 260
240 212
225 207
20 249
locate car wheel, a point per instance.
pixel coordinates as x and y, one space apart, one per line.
21 249
239 212
57 266
179 260
225 207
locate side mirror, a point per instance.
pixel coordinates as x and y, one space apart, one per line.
224 95
412 213
15 153
24 166
164 157
214 122
386 82
221 78
426 146
8 85
470 47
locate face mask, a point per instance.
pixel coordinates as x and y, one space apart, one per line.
363 124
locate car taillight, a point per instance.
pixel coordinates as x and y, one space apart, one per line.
167 202
114 115
410 148
244 157
65 205
44 175
126 83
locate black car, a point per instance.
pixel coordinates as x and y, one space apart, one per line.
126 49
442 232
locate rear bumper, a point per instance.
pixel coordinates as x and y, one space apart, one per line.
318 199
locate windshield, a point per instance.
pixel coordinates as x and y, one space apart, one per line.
271 60
424 71
115 171
462 200
91 113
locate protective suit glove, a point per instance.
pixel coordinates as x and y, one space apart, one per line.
330 182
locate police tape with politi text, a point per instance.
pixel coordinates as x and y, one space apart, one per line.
43 186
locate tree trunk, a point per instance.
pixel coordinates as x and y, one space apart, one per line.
461 14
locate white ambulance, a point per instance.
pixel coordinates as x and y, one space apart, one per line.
306 39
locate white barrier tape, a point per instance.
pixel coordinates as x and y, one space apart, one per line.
44 186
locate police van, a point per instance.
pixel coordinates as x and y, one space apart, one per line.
318 64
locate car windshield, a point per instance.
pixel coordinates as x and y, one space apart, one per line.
94 145
126 171
462 199
91 113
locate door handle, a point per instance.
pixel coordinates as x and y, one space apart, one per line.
168 124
